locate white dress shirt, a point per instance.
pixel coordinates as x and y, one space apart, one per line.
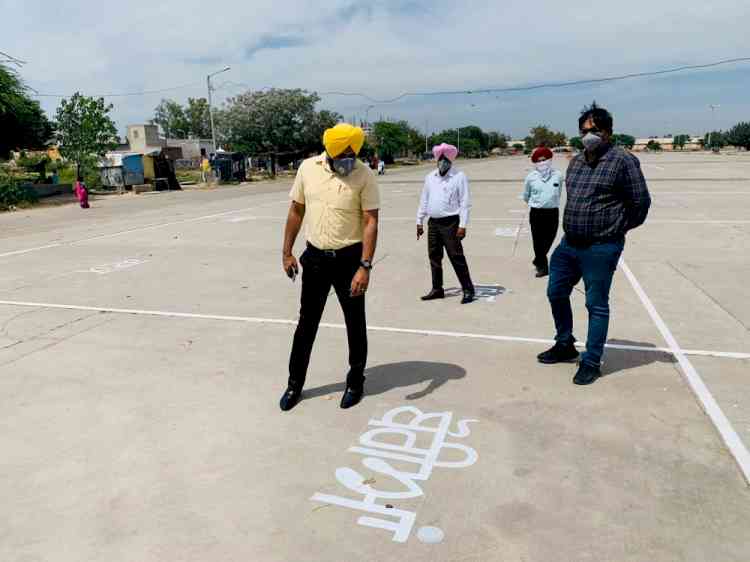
445 196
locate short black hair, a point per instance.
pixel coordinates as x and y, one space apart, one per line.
601 117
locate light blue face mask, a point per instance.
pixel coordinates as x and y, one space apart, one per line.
344 166
444 165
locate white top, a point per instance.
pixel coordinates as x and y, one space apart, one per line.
445 196
541 194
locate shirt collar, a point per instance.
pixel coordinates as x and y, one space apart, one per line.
602 153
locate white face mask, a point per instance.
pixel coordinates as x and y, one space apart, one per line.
591 141
543 167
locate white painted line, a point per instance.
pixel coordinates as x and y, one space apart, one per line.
699 221
28 250
418 332
137 229
710 406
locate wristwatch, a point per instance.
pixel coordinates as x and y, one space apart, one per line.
366 264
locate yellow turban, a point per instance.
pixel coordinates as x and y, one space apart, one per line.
342 136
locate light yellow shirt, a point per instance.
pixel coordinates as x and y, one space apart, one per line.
334 205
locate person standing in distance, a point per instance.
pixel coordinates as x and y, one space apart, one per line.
339 197
446 200
607 197
542 193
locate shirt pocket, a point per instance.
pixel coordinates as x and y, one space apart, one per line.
345 198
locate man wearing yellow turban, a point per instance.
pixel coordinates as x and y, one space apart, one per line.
338 198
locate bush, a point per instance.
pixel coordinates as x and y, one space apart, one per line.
13 194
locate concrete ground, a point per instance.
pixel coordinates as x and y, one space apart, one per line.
143 350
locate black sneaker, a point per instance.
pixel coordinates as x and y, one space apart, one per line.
559 353
587 374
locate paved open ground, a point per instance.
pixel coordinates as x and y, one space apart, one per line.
143 349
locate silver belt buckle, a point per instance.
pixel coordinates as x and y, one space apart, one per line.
329 253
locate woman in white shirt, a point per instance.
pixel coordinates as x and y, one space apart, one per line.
542 193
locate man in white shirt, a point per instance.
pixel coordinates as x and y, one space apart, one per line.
446 200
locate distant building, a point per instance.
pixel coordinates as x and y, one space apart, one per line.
667 143
144 138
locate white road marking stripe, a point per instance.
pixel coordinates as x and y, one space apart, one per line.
138 229
414 331
710 406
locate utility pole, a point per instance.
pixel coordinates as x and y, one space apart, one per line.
426 136
210 108
459 140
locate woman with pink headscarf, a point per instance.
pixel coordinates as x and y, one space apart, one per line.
82 193
446 201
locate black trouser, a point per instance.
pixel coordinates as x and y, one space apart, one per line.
320 271
544 224
443 234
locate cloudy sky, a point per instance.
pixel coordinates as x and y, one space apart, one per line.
386 47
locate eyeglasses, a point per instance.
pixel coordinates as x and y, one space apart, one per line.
593 130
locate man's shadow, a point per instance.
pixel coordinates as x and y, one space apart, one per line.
382 378
618 361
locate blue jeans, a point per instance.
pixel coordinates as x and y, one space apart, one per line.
596 264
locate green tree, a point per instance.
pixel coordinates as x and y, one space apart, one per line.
715 140
23 124
679 141
739 135
542 135
577 143
198 118
627 141
654 146
274 122
391 139
172 119
84 130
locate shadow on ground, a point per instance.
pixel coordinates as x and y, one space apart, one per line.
619 361
382 378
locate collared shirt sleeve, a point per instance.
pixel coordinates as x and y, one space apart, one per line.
423 202
635 191
465 201
297 194
527 188
370 195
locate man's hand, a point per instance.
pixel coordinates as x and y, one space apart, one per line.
289 263
420 231
360 282
461 233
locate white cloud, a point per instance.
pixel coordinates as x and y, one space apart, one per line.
382 48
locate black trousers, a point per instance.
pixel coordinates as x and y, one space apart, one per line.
443 234
320 271
544 224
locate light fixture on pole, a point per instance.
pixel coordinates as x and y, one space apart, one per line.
210 108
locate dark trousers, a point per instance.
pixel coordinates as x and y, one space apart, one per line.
596 263
320 271
443 234
544 223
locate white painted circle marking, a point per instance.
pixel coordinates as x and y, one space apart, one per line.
430 535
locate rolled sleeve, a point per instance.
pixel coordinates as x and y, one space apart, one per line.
370 195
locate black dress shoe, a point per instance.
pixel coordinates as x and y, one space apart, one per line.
587 374
434 295
559 353
351 398
290 399
542 272
468 297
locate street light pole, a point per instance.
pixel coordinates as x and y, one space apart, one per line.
426 135
459 140
210 108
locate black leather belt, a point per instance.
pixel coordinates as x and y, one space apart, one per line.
349 251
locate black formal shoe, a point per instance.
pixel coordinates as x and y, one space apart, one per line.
351 398
434 295
468 297
290 399
587 374
559 353
542 272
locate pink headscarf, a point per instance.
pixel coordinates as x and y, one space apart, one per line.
447 150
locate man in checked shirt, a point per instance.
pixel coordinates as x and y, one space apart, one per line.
607 197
